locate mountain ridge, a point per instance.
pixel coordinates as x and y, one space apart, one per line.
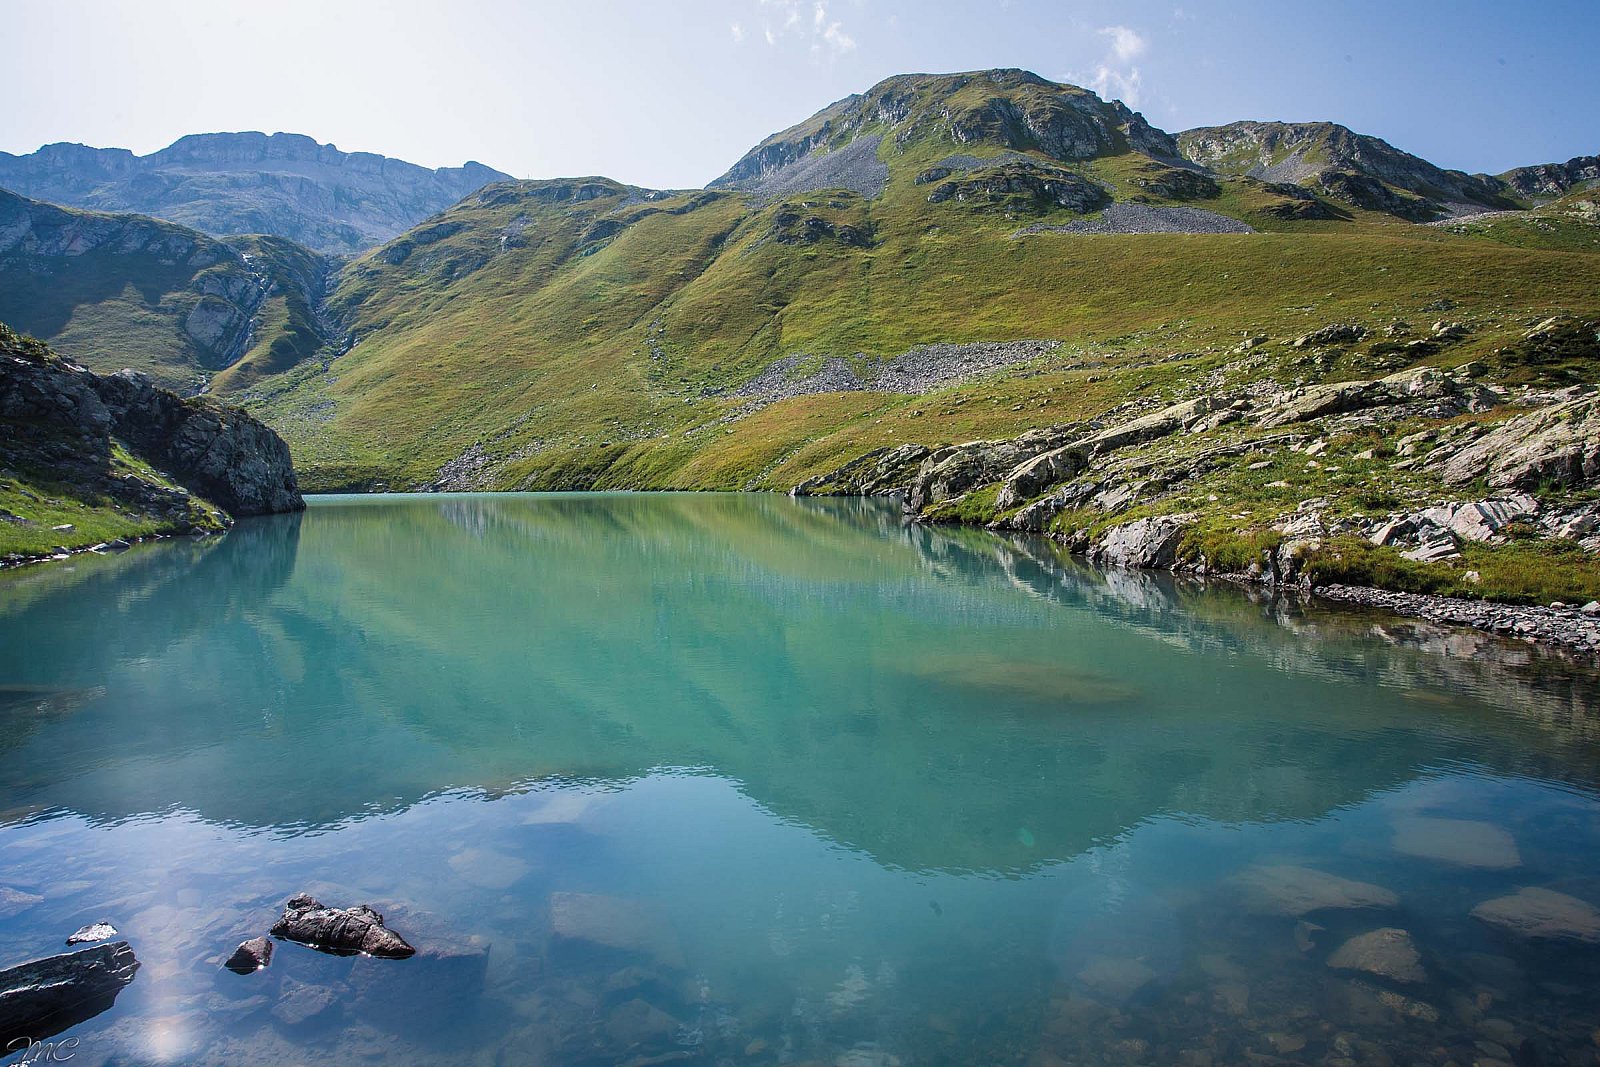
225 184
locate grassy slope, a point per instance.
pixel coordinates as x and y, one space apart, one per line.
543 353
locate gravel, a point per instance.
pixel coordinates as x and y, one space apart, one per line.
1568 627
1143 218
855 167
919 370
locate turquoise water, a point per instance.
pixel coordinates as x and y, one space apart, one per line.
741 779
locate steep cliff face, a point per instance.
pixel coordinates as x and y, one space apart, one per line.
123 456
223 184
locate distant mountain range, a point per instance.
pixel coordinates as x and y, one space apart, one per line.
224 184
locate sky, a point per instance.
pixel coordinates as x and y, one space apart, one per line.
669 95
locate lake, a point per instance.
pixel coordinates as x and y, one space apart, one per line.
744 779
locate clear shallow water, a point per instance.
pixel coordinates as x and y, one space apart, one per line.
753 780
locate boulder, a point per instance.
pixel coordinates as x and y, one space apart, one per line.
1297 891
1458 842
43 997
339 931
881 471
301 1003
251 956
100 931
1542 915
1387 953
1149 542
1031 477
1336 333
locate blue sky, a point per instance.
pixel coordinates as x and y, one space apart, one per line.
669 95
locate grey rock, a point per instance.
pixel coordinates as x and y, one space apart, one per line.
41 998
339 930
1556 445
100 931
251 956
614 923
301 1003
1388 953
1149 542
1542 914
1298 891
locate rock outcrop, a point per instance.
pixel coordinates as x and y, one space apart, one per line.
1557 445
65 423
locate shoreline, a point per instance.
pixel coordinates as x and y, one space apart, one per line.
1566 628
104 548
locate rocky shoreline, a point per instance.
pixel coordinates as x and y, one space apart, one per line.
1570 627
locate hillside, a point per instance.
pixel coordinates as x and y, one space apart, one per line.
114 291
223 184
91 460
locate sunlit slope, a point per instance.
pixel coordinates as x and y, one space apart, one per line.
580 332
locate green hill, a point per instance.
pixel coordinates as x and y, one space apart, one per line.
583 332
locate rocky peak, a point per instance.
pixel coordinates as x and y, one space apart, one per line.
1365 171
1013 110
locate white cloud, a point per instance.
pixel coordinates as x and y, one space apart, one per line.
1116 77
1126 44
738 33
1113 84
787 19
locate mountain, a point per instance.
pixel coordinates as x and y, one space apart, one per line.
87 459
114 291
223 184
939 258
992 257
1360 170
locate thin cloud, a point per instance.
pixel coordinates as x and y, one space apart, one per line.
787 19
1126 44
738 33
1116 76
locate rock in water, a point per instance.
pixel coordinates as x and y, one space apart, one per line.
41 998
100 931
1456 841
13 901
339 930
1297 891
1387 953
251 956
1542 914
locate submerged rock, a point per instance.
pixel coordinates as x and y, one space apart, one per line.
100 931
614 923
43 997
1542 914
1298 891
339 930
1387 953
1457 841
251 956
302 1003
13 901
